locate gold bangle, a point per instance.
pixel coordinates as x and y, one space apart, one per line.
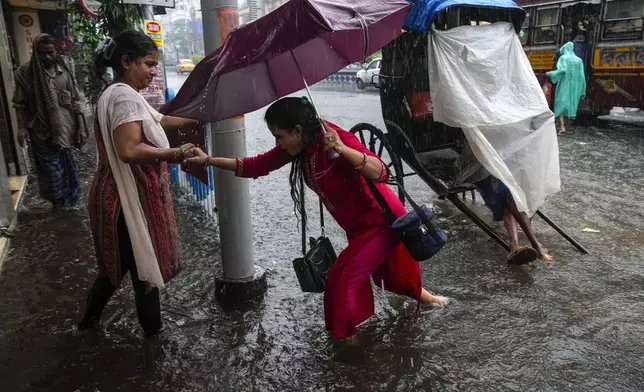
364 162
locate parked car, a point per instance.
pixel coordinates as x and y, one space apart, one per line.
369 75
185 66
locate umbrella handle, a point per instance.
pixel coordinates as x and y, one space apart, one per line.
332 154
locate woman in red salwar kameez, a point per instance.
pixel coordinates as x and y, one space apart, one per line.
130 206
341 184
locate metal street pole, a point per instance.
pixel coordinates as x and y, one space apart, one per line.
240 280
147 12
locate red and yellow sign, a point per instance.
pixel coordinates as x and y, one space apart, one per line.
627 57
152 27
153 30
542 59
228 21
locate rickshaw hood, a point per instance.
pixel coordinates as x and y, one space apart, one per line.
423 12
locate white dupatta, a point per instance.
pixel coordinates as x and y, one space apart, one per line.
147 265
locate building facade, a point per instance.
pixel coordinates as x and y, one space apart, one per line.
183 31
183 27
20 22
250 10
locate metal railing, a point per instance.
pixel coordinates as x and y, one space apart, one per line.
197 191
343 76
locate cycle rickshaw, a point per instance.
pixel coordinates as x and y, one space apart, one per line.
413 138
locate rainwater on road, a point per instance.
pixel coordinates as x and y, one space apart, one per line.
575 325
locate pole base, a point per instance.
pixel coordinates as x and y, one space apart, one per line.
241 291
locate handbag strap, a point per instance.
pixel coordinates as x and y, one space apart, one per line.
381 200
302 218
304 222
321 217
390 215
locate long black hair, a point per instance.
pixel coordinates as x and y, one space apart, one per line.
131 44
286 114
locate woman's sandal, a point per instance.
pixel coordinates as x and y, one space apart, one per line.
522 255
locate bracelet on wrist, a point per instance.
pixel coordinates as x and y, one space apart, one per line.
363 163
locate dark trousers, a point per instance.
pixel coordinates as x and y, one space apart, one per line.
148 307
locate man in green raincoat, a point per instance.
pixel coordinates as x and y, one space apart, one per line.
571 84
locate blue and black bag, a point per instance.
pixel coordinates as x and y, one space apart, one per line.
416 229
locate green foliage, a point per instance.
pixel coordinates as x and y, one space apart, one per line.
118 17
374 56
114 18
196 58
88 32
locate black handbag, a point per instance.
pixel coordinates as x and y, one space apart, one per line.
417 229
313 267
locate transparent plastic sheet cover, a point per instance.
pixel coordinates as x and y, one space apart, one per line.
482 82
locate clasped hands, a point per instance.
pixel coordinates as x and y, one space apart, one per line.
193 156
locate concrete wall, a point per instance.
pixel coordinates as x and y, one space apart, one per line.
7 212
8 127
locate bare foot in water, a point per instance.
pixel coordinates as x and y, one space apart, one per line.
547 257
352 341
522 255
436 301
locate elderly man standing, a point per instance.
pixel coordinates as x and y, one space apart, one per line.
49 111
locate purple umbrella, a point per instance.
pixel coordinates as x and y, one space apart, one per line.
296 45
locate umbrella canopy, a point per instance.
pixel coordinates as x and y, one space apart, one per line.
261 61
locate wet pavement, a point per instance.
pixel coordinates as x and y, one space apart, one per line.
575 325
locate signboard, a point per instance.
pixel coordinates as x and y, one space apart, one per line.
26 27
542 59
39 4
91 7
196 28
155 92
158 3
152 27
153 30
627 57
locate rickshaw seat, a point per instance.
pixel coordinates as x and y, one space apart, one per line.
419 104
445 154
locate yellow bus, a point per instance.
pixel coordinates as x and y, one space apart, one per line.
608 37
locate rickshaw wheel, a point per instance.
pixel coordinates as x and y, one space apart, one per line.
378 143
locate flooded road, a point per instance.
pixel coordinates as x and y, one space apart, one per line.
576 325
